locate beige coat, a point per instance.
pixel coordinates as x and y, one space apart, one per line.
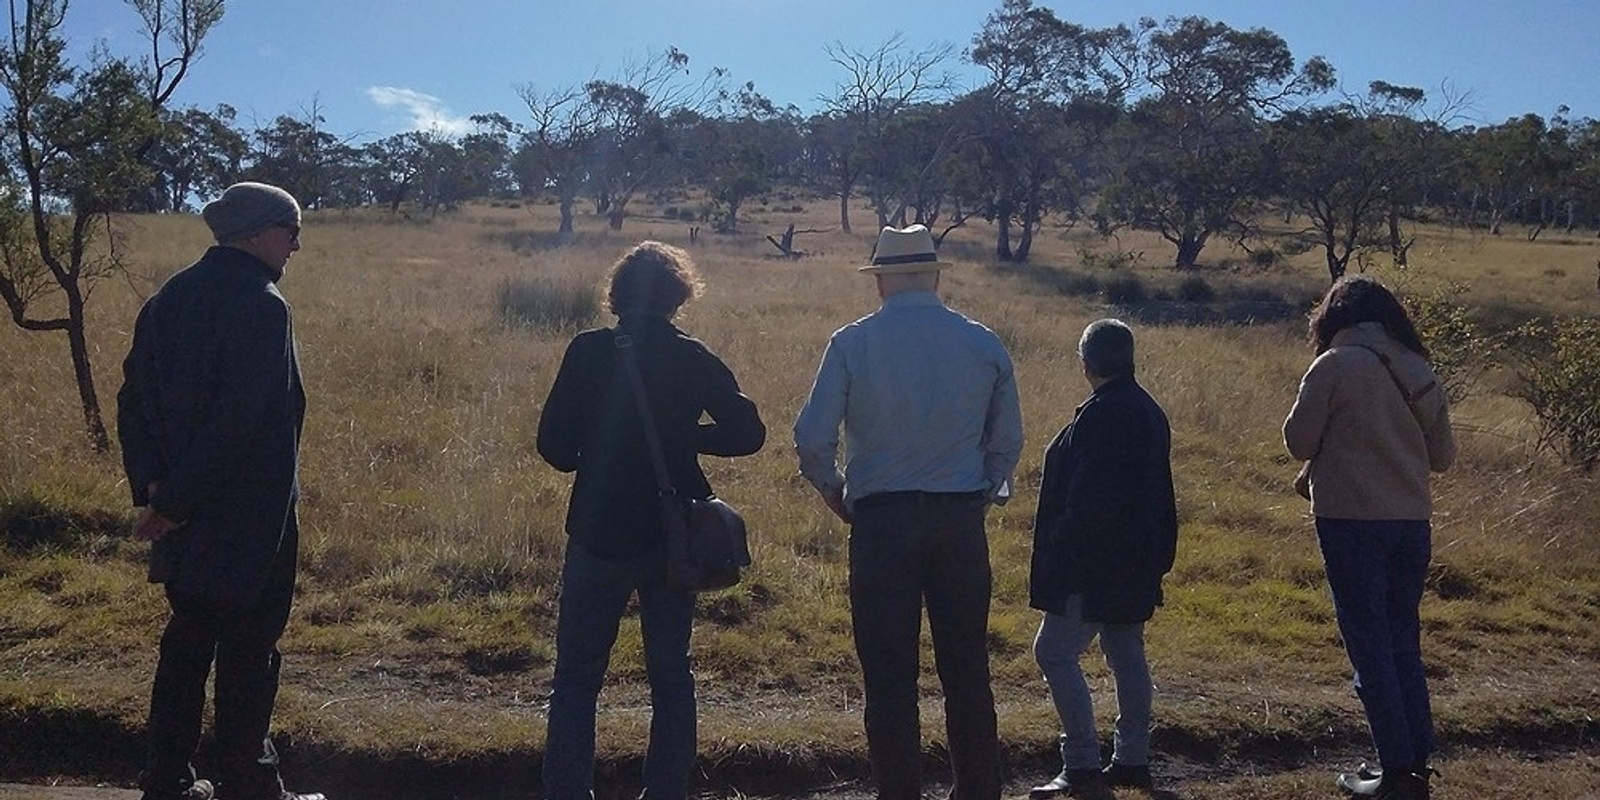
1370 453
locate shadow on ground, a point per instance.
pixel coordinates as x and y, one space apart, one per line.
46 744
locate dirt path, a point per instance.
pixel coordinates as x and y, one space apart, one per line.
1477 774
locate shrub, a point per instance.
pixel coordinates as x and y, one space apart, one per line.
1265 257
1076 285
1123 289
548 305
1559 377
1117 260
1458 347
1195 289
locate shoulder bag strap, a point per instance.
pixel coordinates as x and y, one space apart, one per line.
1411 398
630 365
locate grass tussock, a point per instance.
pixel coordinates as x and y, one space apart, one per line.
432 533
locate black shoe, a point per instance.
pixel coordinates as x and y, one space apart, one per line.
1074 782
199 790
1133 776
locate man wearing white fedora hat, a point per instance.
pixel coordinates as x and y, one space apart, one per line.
932 430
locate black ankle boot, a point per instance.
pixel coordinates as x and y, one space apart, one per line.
1403 785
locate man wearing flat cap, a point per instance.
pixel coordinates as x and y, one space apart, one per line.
932 430
209 418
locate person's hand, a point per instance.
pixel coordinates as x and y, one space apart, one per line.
151 525
835 500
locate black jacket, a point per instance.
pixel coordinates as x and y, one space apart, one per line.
211 408
1107 524
590 425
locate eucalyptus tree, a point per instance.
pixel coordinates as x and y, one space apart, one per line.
316 166
1037 125
393 166
1505 164
741 152
74 141
1557 183
1332 169
877 85
197 154
486 156
913 182
553 152
1192 150
1586 175
633 146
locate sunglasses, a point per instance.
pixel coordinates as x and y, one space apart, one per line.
294 230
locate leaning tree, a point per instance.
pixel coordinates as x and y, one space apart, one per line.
74 142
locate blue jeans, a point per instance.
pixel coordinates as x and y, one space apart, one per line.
594 596
1376 570
1061 640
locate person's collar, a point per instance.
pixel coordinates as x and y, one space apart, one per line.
642 321
1113 383
238 253
913 297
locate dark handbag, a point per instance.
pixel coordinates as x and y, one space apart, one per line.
707 546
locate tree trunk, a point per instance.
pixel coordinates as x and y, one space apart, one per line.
1025 244
1002 237
566 214
78 342
1189 247
1397 245
844 210
1336 266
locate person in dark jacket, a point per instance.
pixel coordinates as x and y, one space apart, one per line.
209 418
1105 534
616 542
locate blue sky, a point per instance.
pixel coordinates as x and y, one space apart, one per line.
376 67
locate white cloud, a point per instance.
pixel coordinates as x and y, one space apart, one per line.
427 113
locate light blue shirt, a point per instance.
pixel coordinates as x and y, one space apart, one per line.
927 399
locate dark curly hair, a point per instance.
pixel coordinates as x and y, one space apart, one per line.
652 278
1354 299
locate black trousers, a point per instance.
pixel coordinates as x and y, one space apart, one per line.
243 643
907 549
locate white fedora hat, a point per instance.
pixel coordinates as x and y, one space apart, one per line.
902 250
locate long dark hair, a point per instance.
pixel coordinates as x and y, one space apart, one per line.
1354 299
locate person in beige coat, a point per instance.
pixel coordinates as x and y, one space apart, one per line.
1372 420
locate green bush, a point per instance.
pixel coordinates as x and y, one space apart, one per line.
1559 376
547 305
1457 345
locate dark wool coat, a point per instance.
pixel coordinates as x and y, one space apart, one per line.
590 424
211 408
1107 524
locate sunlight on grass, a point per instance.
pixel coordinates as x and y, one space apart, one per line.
432 533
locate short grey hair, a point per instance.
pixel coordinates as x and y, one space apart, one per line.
1107 348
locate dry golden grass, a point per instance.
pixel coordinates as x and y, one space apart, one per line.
432 531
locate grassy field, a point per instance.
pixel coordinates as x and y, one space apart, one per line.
421 645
